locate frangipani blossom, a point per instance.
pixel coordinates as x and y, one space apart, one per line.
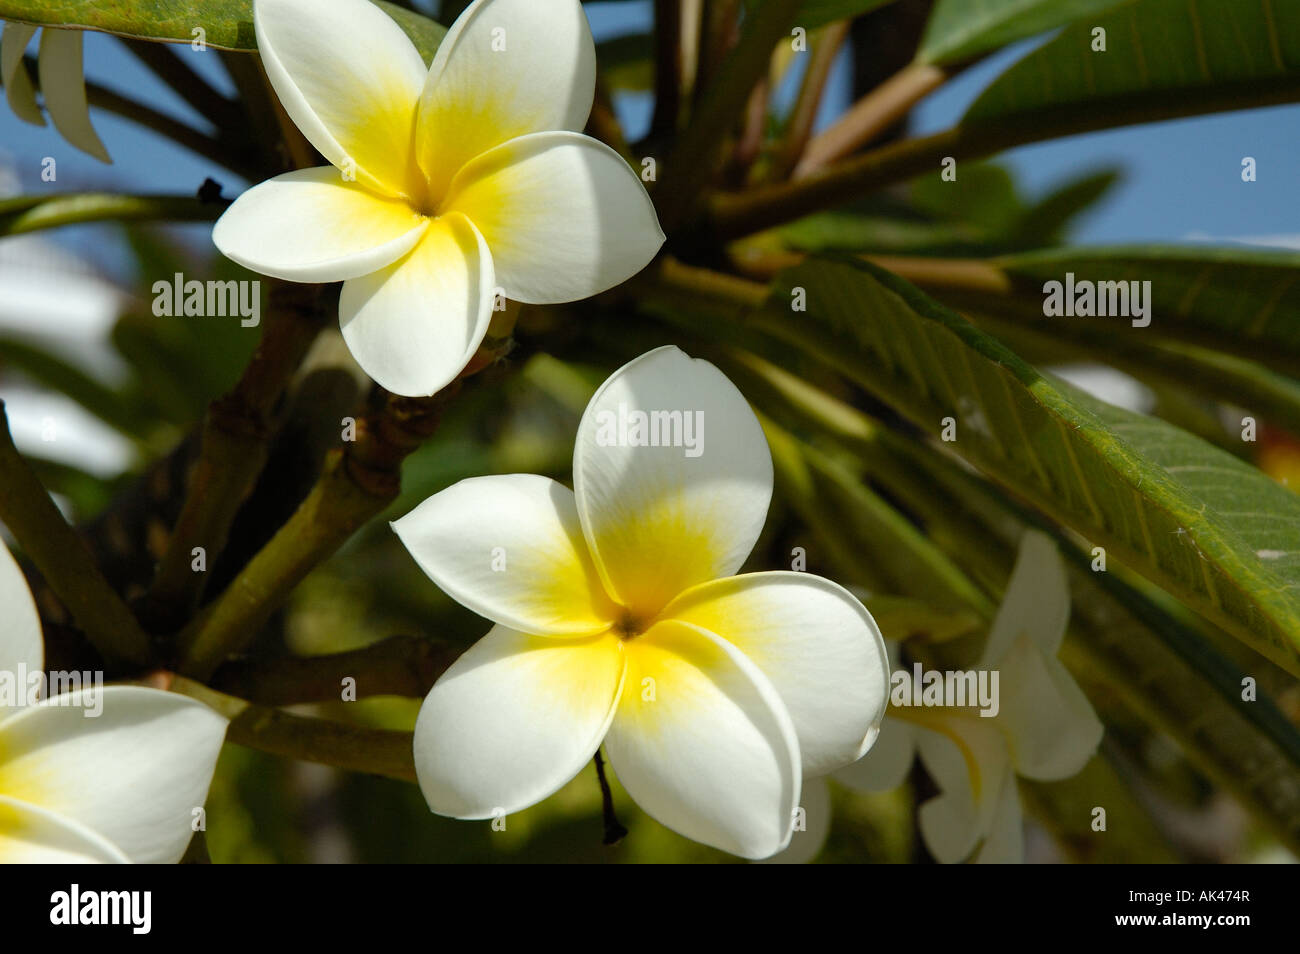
1045 729
118 787
63 83
619 621
447 183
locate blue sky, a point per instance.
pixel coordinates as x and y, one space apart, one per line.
1181 179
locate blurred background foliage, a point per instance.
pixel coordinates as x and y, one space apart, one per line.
1187 771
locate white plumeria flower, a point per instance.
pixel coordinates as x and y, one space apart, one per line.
450 182
1045 729
63 83
618 621
121 786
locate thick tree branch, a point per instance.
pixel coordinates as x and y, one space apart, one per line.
357 483
236 436
326 741
397 666
64 560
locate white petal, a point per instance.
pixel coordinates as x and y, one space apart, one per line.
134 774
18 85
29 835
1052 728
21 646
510 548
702 742
1036 602
888 762
566 218
63 84
350 79
312 226
817 644
513 720
968 761
806 844
1004 844
661 519
414 325
506 68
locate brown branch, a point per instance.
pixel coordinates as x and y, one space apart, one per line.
63 559
357 483
870 116
236 436
397 666
825 48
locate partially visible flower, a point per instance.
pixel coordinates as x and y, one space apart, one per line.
1045 729
618 621
63 83
119 787
447 183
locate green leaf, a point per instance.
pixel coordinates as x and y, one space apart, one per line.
1236 300
1160 53
28 213
226 24
1213 531
964 29
815 13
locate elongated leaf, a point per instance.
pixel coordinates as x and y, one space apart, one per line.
1161 52
1237 300
1209 529
1121 634
226 24
963 29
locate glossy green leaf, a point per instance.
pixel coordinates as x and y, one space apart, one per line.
1213 531
964 29
225 24
1199 54
1242 301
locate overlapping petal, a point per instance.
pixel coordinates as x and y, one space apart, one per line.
506 68
1051 726
311 225
702 742
658 519
63 84
18 85
30 835
817 644
21 645
1036 602
887 764
414 325
969 762
566 218
134 775
511 549
350 80
513 720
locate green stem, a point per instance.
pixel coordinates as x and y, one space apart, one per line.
236 437
356 485
31 214
690 166
326 741
64 560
